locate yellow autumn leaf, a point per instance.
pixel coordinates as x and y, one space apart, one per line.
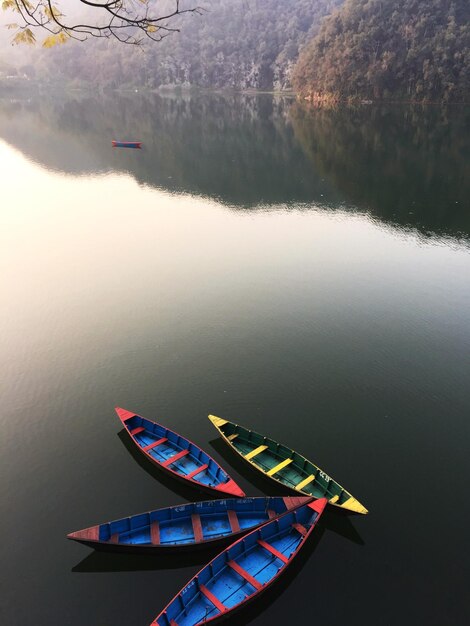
25 36
52 12
9 4
54 40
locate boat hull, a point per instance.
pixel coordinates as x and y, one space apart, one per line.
288 468
177 456
186 527
243 571
126 144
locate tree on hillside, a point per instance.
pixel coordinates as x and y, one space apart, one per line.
395 49
128 21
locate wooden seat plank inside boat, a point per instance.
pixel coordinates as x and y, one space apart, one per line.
233 520
212 598
155 444
175 457
272 549
301 529
197 528
244 574
155 533
255 452
279 467
196 471
136 431
306 481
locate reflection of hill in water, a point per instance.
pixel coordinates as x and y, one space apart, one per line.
406 166
236 149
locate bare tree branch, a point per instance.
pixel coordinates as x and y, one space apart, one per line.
128 21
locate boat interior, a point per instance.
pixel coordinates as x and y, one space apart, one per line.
175 452
192 523
240 571
283 464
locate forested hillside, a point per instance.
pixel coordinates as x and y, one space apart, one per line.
415 50
240 44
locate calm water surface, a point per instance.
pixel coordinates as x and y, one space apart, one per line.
305 273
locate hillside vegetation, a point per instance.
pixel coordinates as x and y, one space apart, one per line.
241 44
416 50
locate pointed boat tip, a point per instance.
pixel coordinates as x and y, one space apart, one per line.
231 488
354 506
123 414
86 534
318 505
217 421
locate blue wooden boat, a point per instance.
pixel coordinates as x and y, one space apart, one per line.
178 456
187 526
244 570
126 144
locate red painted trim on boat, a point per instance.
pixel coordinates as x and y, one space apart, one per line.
244 574
197 471
212 598
233 519
175 457
87 534
267 546
271 514
293 502
114 538
197 528
155 444
155 533
123 414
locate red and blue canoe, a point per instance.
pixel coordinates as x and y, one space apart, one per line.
126 144
244 570
177 455
186 527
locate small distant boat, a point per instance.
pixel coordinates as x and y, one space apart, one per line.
187 526
127 144
178 456
285 466
244 570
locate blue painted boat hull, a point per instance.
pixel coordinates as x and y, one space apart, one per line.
244 570
178 456
186 527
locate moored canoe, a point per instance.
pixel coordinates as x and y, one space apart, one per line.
242 571
126 144
187 526
284 465
177 455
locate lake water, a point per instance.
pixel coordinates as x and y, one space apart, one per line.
305 273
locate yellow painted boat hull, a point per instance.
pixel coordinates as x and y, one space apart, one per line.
285 466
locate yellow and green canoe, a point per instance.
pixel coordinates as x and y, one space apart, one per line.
285 466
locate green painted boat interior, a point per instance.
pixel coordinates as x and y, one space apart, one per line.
293 474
